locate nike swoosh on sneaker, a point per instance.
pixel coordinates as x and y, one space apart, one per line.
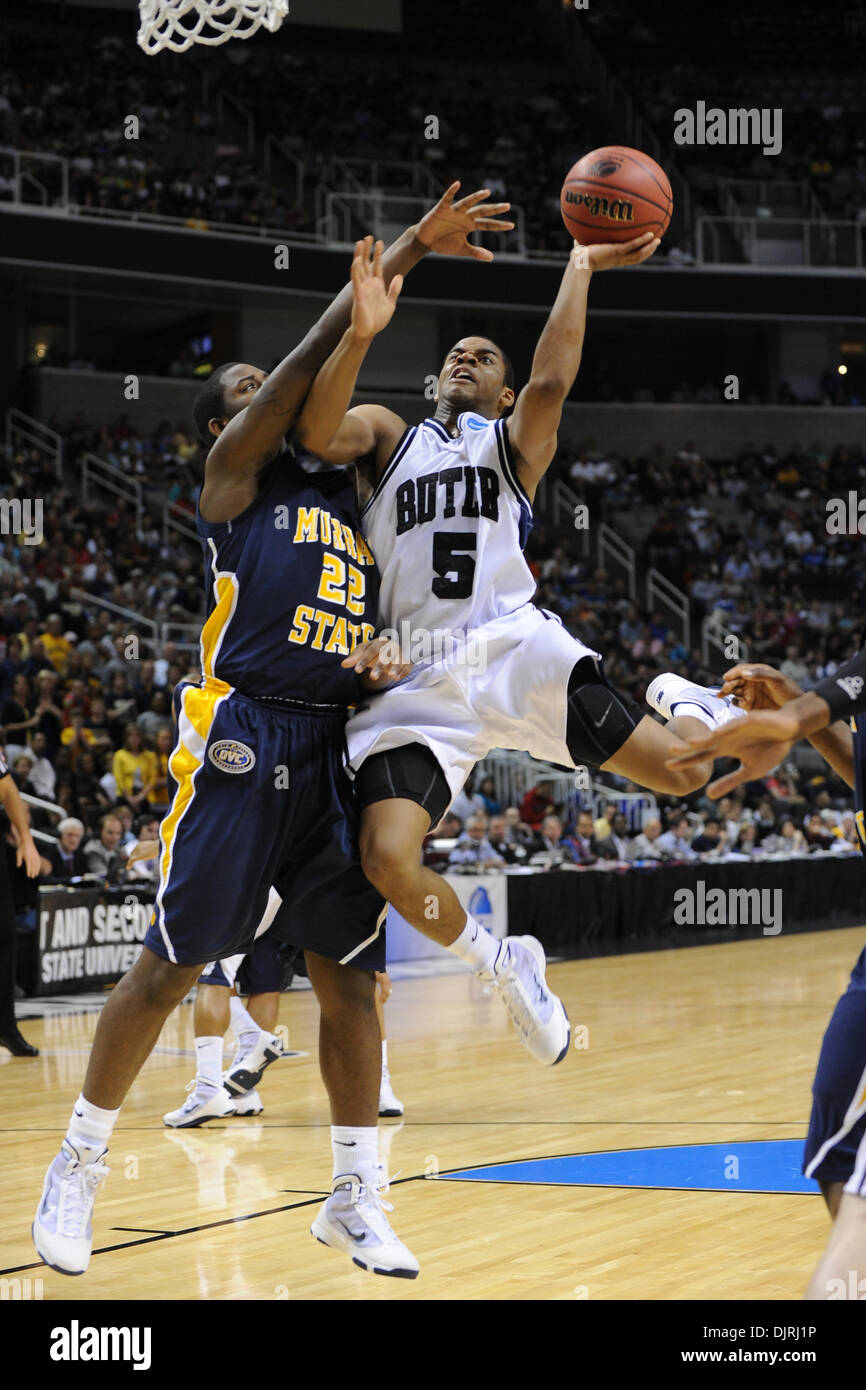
358 1239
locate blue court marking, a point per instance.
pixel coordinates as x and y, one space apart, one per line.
763 1165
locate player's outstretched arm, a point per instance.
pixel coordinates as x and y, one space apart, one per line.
327 427
254 435
533 425
756 686
762 739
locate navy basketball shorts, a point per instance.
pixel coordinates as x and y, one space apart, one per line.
262 970
260 798
836 1144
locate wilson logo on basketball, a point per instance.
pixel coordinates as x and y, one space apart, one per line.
614 209
233 757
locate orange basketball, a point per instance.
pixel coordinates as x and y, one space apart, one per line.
614 194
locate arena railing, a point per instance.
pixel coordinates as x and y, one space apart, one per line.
177 520
824 243
717 639
514 774
85 599
22 429
612 547
660 591
96 473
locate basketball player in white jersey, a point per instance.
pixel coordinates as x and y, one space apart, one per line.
447 521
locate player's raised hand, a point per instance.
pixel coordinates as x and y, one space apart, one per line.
756 686
615 254
378 662
145 849
373 303
446 228
760 741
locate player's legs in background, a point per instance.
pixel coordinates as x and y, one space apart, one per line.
258 1044
389 1105
126 1033
350 1057
209 1099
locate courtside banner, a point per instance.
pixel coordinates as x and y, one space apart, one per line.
88 938
484 896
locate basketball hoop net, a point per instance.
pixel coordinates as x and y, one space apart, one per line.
177 24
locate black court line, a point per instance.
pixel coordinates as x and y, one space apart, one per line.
142 1230
206 1226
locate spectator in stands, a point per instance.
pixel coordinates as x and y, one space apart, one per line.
536 804
550 848
57 646
517 832
487 792
156 716
710 839
818 834
16 716
604 824
67 858
646 844
747 839
148 830
42 773
134 768
473 846
675 842
508 850
617 841
91 798
583 840
102 855
467 801
49 718
788 839
158 796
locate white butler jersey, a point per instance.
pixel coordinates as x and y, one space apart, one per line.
447 523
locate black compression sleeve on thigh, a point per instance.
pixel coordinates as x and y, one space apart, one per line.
600 718
411 772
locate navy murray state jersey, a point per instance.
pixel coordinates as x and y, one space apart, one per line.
858 729
292 589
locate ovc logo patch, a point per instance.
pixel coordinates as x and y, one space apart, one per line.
230 756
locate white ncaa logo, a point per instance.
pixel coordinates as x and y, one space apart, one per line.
230 756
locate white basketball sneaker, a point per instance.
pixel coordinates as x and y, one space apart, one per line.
63 1228
207 1102
353 1220
250 1103
248 1067
389 1105
670 695
537 1014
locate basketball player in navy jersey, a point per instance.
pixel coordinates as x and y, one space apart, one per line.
261 795
447 522
832 716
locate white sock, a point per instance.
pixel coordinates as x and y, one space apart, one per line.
384 1057
209 1061
89 1126
356 1149
475 945
242 1020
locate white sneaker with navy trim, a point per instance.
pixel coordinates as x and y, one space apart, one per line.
538 1015
250 1103
207 1102
353 1220
248 1068
671 695
63 1228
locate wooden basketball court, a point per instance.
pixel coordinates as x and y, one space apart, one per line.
704 1046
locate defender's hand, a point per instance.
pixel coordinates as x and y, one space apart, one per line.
378 663
446 228
755 686
372 305
760 741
